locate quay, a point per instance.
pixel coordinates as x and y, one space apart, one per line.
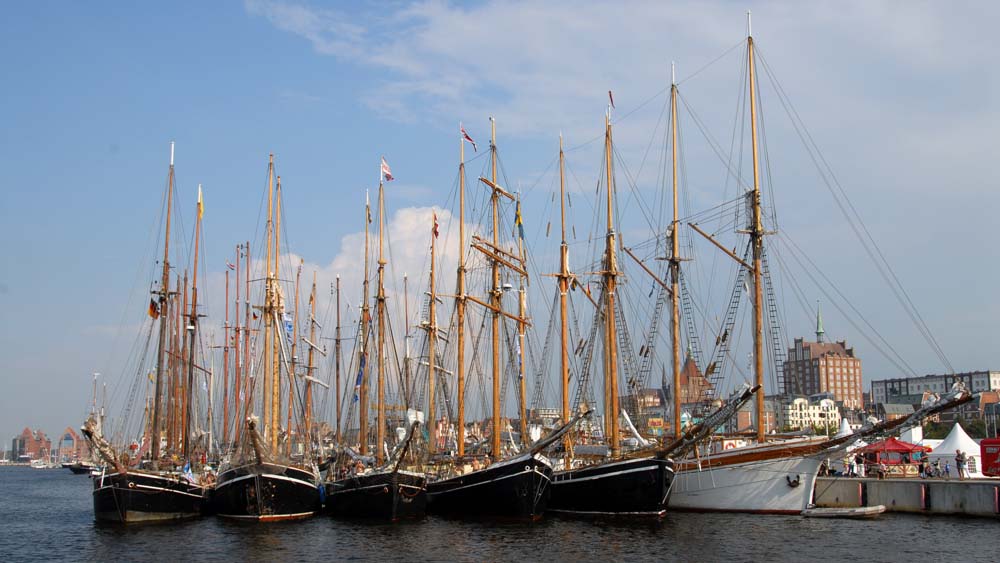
971 497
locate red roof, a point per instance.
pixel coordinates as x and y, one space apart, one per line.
893 445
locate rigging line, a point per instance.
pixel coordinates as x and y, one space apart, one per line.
712 62
826 173
796 252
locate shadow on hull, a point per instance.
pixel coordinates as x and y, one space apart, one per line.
142 497
398 495
266 492
518 488
627 488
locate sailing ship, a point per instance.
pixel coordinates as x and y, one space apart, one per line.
387 491
160 488
515 486
620 484
261 480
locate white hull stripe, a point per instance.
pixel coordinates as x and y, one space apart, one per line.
344 491
597 512
266 475
559 481
491 481
147 487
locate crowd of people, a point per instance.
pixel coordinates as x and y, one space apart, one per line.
855 465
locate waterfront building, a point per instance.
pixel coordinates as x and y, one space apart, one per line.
824 367
798 413
885 390
30 444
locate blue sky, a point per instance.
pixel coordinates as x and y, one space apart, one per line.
901 98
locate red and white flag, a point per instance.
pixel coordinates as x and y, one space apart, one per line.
230 265
386 172
468 138
435 225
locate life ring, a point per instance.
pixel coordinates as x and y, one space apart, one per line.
794 483
729 445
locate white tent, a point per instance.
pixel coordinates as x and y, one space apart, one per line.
957 439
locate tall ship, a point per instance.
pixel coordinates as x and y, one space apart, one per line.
620 483
152 478
380 486
491 476
268 473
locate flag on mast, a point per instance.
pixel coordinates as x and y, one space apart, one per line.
435 231
386 172
154 308
611 99
517 220
201 204
468 138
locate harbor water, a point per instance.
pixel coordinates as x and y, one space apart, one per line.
48 516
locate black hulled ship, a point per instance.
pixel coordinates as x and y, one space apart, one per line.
626 487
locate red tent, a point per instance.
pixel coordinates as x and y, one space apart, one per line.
891 451
893 445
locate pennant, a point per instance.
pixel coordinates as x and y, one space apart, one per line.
357 382
368 205
230 265
468 138
436 230
154 308
517 220
611 99
201 204
386 172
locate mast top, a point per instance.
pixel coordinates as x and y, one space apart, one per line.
171 153
673 74
749 26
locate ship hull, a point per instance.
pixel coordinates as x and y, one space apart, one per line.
630 488
769 486
396 495
518 488
145 497
266 492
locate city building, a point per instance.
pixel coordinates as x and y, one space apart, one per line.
29 445
800 413
885 390
824 367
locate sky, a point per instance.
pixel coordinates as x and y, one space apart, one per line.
900 97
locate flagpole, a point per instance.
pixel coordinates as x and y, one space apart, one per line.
460 299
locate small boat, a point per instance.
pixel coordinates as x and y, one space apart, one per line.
860 512
81 467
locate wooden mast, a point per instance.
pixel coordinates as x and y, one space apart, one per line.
496 297
311 365
460 301
337 362
236 351
225 365
268 301
164 295
175 386
247 393
291 373
564 282
431 357
192 328
183 394
675 263
276 314
610 282
757 243
522 304
380 304
362 363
